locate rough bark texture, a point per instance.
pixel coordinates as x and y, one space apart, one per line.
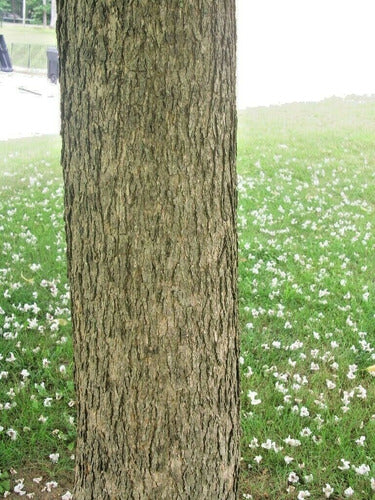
148 127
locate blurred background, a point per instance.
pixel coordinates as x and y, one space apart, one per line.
304 50
287 51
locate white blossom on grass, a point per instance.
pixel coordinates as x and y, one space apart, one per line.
293 478
349 492
54 457
327 490
362 470
303 494
254 400
12 434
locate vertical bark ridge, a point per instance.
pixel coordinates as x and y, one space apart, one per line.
148 127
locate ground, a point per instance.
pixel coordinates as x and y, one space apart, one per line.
29 105
39 486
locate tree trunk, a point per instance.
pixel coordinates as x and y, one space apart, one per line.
53 14
149 143
44 13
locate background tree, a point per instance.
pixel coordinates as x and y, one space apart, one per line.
38 11
53 14
44 12
149 141
4 7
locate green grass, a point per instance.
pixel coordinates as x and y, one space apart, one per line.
36 35
27 45
306 280
306 216
37 403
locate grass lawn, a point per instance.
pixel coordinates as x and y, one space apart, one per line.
306 280
27 45
35 35
306 217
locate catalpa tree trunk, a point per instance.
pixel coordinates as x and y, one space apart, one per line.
149 145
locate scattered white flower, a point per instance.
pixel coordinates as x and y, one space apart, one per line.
327 490
349 492
69 496
345 465
19 488
252 395
46 362
50 485
293 478
361 441
331 385
54 457
303 494
292 442
362 470
25 374
12 434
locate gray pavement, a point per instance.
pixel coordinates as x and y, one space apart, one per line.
29 105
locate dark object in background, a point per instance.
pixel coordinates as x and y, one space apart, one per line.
53 64
5 62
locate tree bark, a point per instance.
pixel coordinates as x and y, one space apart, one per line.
149 145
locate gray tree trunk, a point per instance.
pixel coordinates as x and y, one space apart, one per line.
44 13
53 14
149 145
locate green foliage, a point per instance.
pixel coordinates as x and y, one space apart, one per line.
4 6
35 10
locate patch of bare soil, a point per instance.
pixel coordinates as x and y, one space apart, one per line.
31 482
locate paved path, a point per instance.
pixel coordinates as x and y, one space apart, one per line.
29 106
